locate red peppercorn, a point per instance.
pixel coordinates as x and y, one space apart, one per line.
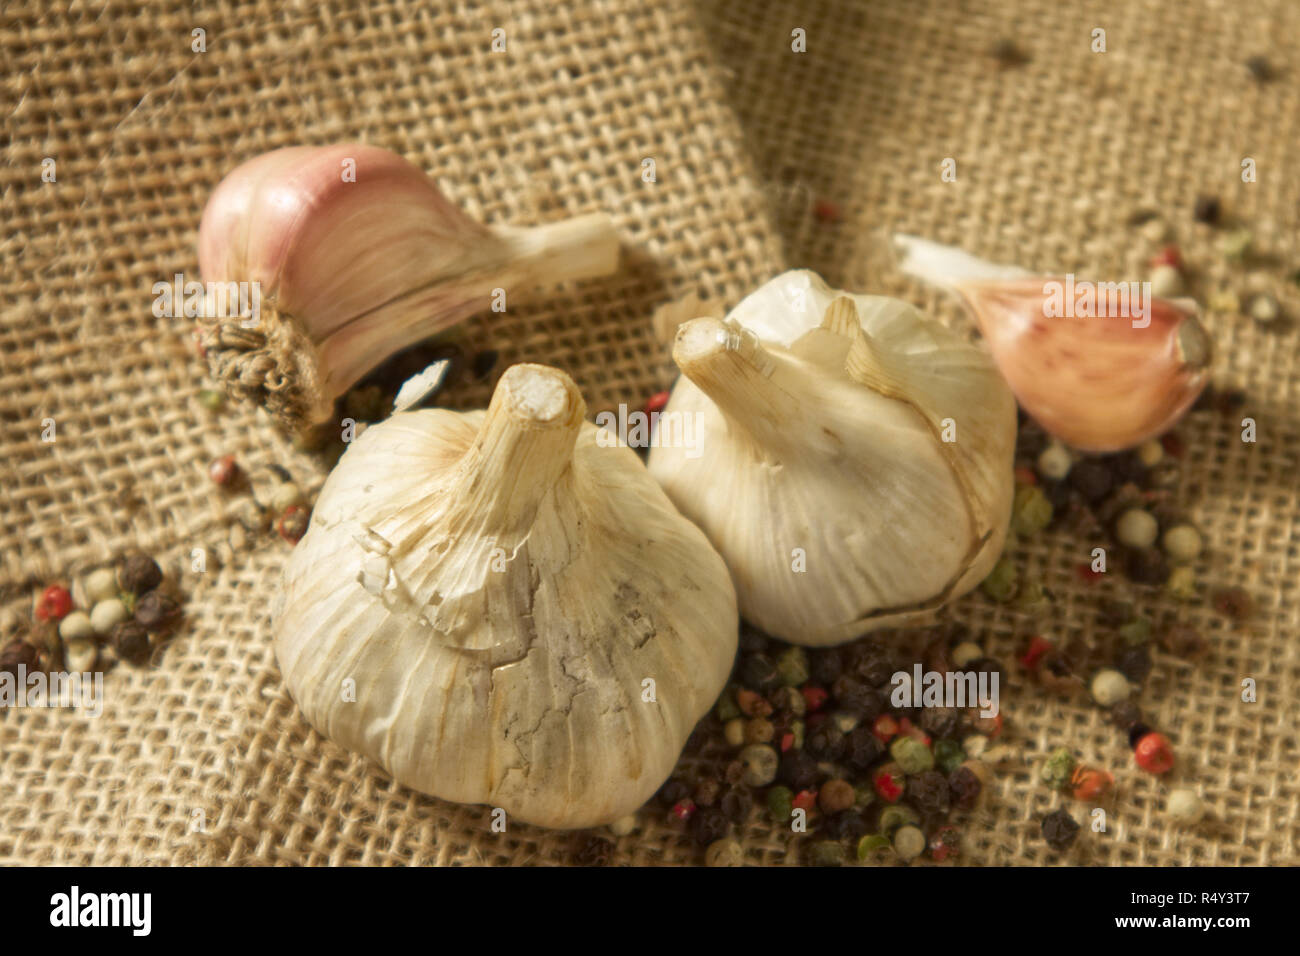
805 800
787 741
814 696
1025 476
907 729
1086 573
889 784
1090 784
1168 256
293 523
54 603
683 809
1038 646
656 402
885 728
826 211
1154 753
223 470
1172 444
944 843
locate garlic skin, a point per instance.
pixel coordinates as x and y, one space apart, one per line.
357 255
1100 383
500 587
820 420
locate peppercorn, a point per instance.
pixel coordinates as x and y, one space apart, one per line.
1031 512
889 782
1136 733
761 763
54 603
1054 462
909 842
789 701
733 732
893 817
1090 784
1135 663
948 755
1137 528
18 653
847 825
964 787
857 698
885 727
683 810
156 611
759 731
929 792
1154 753
1059 829
863 748
1125 714
798 769
940 721
826 742
1260 69
1146 566
872 663
826 853
1109 687
725 852
1207 210
673 791
1002 582
130 642
1236 245
1234 603
1185 807
836 795
827 665
814 697
792 667
139 573
76 626
911 755
780 803
1184 642
1136 632
871 845
752 640
707 791
292 524
725 709
752 703
211 399
592 850
1091 479
709 824
1009 54
735 804
945 842
1058 768
758 672
223 471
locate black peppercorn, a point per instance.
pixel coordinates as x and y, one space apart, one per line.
872 663
928 792
940 721
987 665
1114 613
1207 210
863 748
156 611
963 788
826 666
131 642
1126 467
592 850
1260 69
1058 494
1146 565
1135 663
865 703
709 824
673 791
826 742
707 792
1125 714
798 770
758 671
1059 829
1136 733
847 825
735 804
139 573
18 653
752 639
1091 479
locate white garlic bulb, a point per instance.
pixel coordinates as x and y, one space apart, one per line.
501 609
851 459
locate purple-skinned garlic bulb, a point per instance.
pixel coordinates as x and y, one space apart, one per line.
355 254
1103 366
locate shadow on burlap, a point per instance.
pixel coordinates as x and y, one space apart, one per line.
1052 160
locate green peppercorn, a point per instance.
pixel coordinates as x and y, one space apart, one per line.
1058 768
758 731
1031 512
871 845
911 755
827 853
863 797
1136 632
792 667
896 815
948 755
780 804
1002 582
211 399
797 732
726 708
1236 245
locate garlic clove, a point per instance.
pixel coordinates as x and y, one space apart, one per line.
820 469
356 254
518 614
1101 376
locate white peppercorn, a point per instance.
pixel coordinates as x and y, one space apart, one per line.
760 764
964 653
1185 807
1182 543
725 852
1166 281
1109 687
1150 452
909 842
1155 230
623 825
106 615
101 585
285 496
1054 461
1263 308
734 732
76 626
1137 528
975 744
1181 583
79 655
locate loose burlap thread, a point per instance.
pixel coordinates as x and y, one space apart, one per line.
202 758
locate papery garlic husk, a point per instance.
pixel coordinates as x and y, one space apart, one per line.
525 619
356 255
1102 378
817 463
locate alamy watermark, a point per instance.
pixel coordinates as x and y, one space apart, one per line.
55 689
947 689
640 429
1089 300
208 300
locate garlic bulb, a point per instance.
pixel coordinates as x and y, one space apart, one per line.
1102 366
852 460
355 254
500 609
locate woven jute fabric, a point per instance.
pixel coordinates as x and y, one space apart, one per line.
764 157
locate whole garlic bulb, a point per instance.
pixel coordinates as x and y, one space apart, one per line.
820 468
356 254
524 618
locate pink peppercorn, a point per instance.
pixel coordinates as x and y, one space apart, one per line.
1154 753
814 696
885 728
54 603
889 784
1038 646
656 403
222 471
1168 256
804 800
293 523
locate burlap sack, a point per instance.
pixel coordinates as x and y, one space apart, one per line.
203 758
